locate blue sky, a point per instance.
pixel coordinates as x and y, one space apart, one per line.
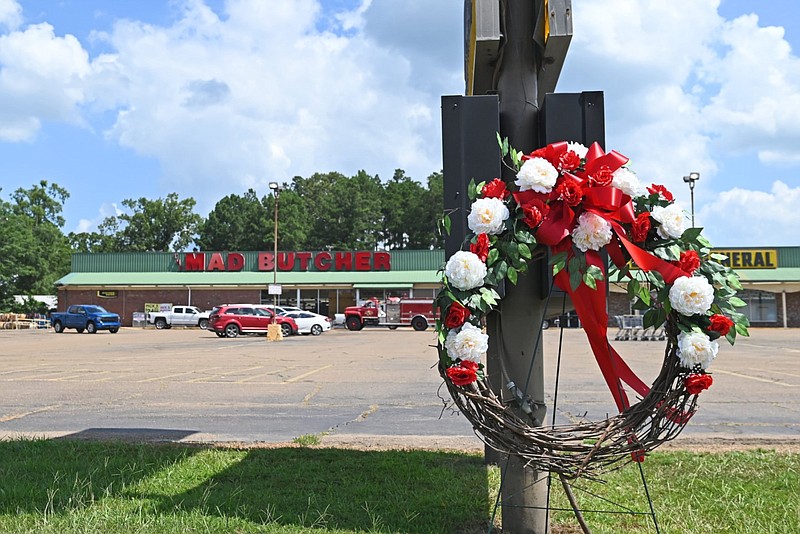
117 100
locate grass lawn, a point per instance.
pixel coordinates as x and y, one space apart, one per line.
66 486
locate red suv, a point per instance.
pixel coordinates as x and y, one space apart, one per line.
230 320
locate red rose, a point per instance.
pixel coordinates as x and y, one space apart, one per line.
535 212
548 152
721 324
481 247
495 189
603 177
570 191
457 315
689 262
662 192
463 373
569 161
697 383
640 227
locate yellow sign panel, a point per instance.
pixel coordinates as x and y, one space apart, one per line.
107 294
750 258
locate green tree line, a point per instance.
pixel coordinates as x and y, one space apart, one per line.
325 211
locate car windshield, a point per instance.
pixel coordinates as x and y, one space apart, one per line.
95 309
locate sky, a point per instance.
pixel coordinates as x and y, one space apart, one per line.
206 98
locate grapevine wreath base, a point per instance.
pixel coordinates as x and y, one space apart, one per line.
586 449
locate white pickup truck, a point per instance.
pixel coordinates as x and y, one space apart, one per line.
179 316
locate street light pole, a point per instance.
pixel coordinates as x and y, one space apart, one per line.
691 179
275 190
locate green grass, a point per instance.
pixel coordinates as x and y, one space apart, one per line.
64 486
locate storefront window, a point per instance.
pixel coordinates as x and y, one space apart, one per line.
761 306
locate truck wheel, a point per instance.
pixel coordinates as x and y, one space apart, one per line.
231 330
58 327
91 328
80 330
203 324
393 327
161 323
353 323
286 330
113 330
316 330
220 334
419 324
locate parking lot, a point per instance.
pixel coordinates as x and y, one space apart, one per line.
375 386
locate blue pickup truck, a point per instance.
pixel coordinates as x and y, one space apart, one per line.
86 317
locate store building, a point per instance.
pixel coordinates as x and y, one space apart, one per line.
328 281
325 282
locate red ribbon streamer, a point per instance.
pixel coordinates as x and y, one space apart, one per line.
590 304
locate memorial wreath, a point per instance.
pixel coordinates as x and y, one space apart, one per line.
575 202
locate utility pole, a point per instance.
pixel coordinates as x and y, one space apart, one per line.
516 50
515 329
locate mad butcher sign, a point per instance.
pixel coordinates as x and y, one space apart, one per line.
288 261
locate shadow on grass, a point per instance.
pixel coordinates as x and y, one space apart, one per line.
396 491
296 488
53 476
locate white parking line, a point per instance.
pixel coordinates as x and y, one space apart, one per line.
304 375
757 378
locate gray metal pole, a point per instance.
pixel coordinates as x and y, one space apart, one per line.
514 330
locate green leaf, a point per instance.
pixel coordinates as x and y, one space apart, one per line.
734 281
596 272
489 296
447 223
644 294
589 280
575 279
492 257
512 275
691 234
649 318
524 251
472 189
737 302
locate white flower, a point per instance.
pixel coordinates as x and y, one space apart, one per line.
696 348
626 181
593 232
536 174
578 148
691 295
467 343
465 270
672 220
487 215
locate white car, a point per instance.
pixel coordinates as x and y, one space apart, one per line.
283 310
309 322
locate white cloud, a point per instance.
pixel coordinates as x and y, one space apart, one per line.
10 14
261 94
107 209
743 217
42 78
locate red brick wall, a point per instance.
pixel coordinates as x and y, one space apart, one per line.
128 301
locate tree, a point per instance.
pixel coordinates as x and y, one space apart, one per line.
406 214
344 213
154 225
434 203
34 248
236 223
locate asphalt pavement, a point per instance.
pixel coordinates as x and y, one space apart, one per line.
376 387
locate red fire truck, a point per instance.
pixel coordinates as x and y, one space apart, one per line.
416 313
